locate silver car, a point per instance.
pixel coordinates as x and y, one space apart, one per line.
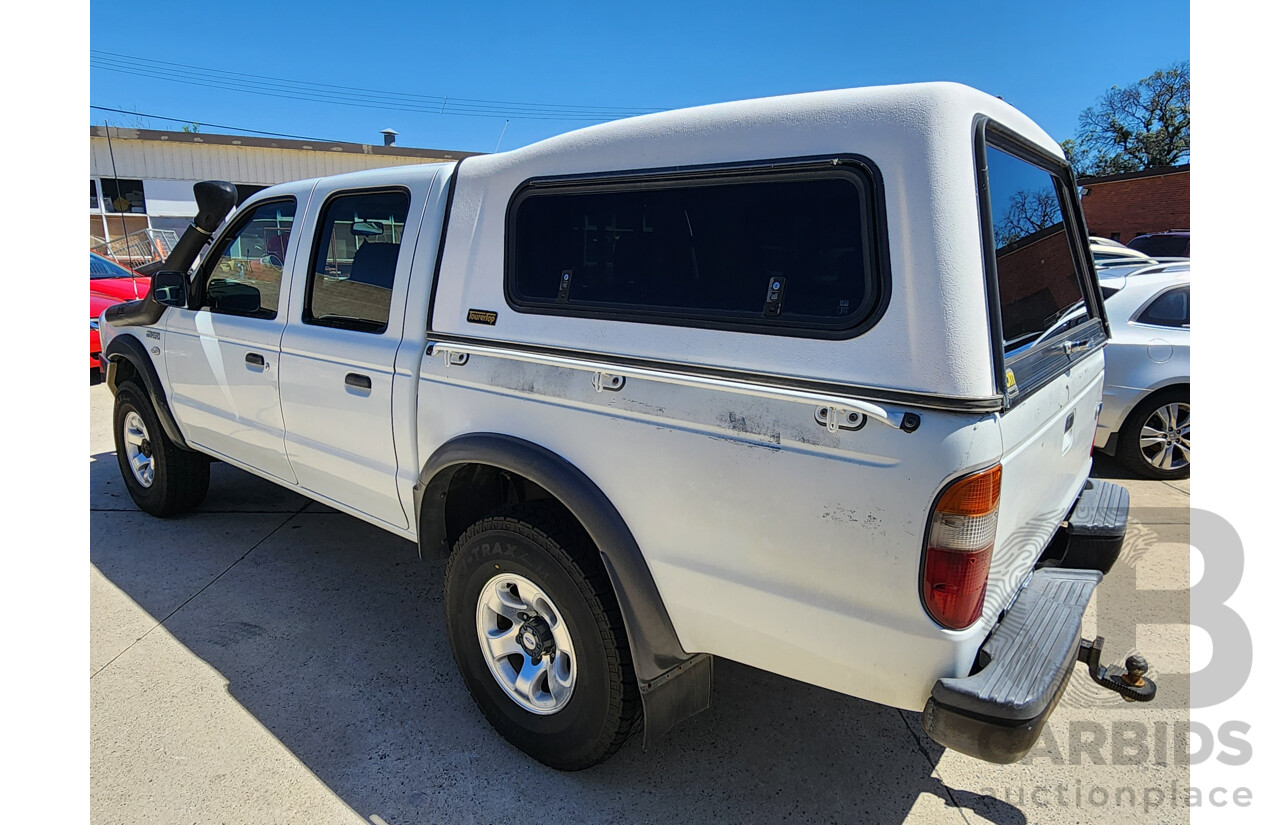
1145 421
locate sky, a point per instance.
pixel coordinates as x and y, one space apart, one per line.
534 70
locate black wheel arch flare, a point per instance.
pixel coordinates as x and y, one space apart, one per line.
674 683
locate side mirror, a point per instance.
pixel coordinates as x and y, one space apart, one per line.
169 288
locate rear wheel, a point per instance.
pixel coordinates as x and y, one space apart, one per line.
1155 441
162 478
538 637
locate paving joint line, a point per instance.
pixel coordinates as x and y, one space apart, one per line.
207 585
920 747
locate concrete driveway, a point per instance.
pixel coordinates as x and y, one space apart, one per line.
266 659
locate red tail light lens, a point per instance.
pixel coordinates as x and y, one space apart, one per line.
957 559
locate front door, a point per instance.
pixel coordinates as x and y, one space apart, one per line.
223 358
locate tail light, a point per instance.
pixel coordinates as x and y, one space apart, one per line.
957 559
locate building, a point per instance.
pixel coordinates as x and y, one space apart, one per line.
140 198
1122 207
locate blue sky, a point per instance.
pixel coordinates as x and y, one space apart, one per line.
1049 60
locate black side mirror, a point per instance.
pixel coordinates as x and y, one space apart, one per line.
170 288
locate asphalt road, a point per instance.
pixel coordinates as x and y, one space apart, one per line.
266 659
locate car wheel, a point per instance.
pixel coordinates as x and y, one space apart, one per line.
1156 439
538 637
162 478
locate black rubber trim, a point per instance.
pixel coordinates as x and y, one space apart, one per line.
996 714
444 231
127 348
870 180
947 403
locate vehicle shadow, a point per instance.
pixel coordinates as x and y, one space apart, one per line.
332 634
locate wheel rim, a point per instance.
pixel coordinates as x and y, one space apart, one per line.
524 640
1165 440
137 448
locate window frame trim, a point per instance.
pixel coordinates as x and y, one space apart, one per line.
875 238
206 264
321 213
1046 360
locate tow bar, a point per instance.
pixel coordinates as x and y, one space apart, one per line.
1129 680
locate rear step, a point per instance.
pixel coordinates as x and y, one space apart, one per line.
997 713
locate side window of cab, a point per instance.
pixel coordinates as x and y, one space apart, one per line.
353 265
243 273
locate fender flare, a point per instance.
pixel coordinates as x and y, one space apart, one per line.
674 684
126 347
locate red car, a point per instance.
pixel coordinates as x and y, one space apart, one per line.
109 283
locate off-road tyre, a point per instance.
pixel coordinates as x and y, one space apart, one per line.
546 546
180 478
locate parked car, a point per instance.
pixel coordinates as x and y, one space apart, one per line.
1173 244
109 283
1145 420
752 380
1106 251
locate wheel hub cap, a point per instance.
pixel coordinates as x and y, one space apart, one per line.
1165 439
525 642
137 449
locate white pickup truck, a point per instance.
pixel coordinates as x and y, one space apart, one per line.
803 382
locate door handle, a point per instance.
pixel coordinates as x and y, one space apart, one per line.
255 359
359 381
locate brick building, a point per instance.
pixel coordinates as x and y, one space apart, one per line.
1122 207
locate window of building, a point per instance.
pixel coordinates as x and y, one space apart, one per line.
248 264
93 194
353 266
1038 282
763 251
122 195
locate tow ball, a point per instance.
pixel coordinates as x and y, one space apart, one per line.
1129 680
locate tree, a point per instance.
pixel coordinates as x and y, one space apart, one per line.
1140 126
1027 213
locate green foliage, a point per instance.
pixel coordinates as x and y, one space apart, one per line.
1140 126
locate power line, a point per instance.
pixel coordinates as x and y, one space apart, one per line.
349 95
216 125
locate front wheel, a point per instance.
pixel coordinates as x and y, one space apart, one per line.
162 478
1156 439
538 637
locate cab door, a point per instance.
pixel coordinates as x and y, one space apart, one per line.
223 358
338 350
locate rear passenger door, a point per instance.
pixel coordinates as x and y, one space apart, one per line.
338 350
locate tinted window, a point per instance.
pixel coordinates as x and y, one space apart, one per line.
244 278
353 267
1036 273
761 251
1171 309
1163 246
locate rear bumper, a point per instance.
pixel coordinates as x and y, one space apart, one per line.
996 713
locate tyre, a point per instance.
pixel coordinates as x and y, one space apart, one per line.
1155 441
162 478
538 637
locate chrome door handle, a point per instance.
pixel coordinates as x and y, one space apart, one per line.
1075 346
